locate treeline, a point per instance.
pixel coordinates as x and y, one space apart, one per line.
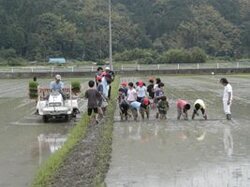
149 56
78 29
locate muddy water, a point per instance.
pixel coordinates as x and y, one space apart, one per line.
25 141
212 153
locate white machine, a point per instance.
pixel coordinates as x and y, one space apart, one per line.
55 105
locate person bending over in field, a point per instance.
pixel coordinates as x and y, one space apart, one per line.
124 108
199 105
182 109
163 107
144 108
135 107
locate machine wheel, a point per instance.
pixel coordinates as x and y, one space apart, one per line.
67 117
45 119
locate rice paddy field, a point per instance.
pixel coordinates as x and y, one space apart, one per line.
212 153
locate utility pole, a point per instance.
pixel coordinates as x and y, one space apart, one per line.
110 36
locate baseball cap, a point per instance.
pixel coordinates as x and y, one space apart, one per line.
140 83
58 77
107 68
146 101
124 83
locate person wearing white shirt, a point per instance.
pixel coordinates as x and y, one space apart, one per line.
132 95
199 104
227 97
141 91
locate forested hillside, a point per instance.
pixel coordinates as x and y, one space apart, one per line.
78 29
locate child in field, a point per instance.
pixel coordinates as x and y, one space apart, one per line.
150 89
159 92
93 97
135 106
227 97
182 109
144 108
132 95
199 105
124 108
157 82
141 91
123 91
163 107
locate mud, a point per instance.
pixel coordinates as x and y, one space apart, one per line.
186 153
79 169
25 141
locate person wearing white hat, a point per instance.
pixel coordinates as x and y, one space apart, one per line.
57 84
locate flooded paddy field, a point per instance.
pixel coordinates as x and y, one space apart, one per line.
193 153
25 141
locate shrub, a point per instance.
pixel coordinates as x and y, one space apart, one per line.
195 55
76 86
144 56
8 53
33 89
198 55
174 56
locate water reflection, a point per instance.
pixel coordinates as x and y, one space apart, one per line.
50 143
228 141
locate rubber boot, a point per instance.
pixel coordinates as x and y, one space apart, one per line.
229 117
205 117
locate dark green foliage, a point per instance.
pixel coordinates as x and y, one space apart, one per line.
39 29
143 56
195 55
33 89
198 55
76 86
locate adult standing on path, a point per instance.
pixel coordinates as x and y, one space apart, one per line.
110 76
98 74
227 97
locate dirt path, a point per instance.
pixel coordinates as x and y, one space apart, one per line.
79 168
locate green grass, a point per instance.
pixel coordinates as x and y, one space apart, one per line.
105 146
45 174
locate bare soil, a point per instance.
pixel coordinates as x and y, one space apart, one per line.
79 169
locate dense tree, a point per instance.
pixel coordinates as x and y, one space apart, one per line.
38 29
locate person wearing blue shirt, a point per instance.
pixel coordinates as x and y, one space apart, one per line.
57 84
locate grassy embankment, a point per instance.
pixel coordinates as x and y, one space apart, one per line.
105 146
47 171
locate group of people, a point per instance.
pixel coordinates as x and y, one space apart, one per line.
139 98
99 92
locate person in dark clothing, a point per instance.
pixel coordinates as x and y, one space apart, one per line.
93 97
150 89
123 91
98 73
110 77
124 107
